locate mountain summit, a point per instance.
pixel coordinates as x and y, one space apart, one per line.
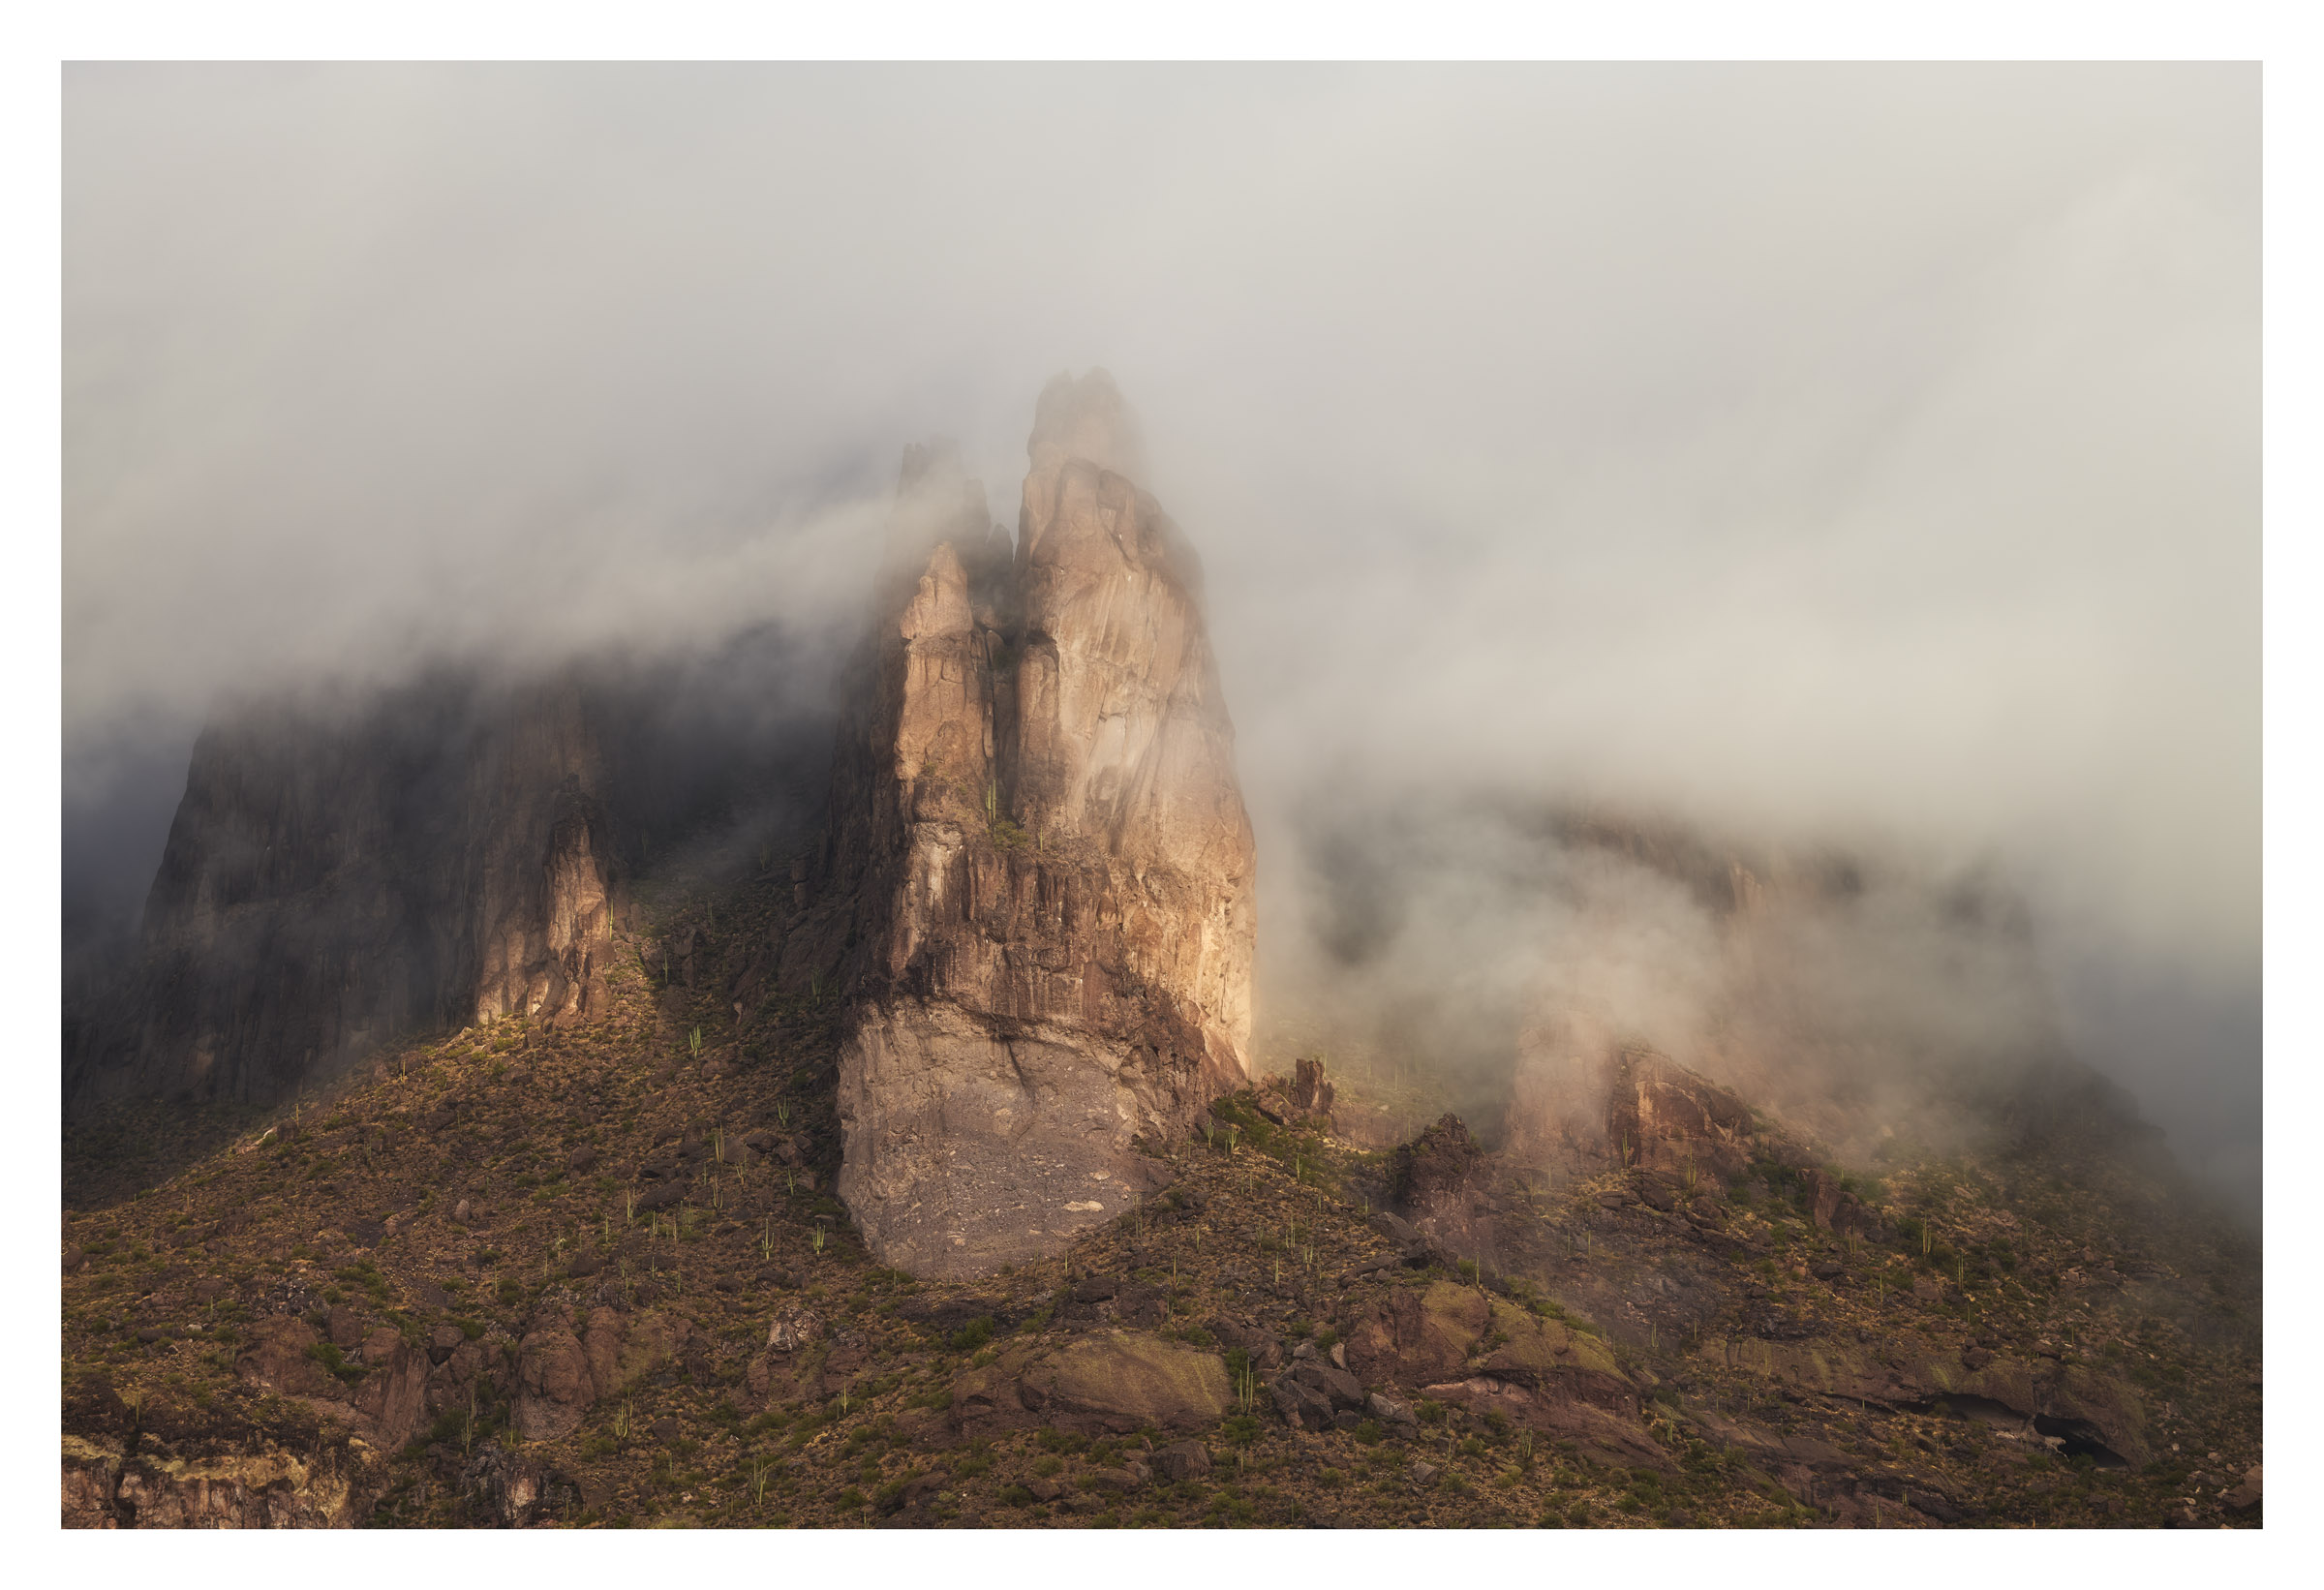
1039 867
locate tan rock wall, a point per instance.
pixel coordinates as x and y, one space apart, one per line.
1038 880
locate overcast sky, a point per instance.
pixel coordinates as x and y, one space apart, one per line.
1868 454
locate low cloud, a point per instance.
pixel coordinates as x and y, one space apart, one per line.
1842 456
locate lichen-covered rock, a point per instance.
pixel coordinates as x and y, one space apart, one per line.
1416 1337
1447 1334
1107 1381
1037 881
268 1488
1599 1436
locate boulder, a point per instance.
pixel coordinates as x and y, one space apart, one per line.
553 1389
1550 1355
1123 1380
1387 1410
1304 1406
1542 1372
1104 1381
1338 1387
1311 1092
660 1196
1582 1101
1181 1460
2097 1408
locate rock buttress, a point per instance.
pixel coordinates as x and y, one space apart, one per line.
1038 874
343 872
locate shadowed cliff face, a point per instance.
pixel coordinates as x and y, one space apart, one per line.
342 873
1038 878
355 866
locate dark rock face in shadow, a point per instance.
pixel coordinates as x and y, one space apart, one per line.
348 867
342 873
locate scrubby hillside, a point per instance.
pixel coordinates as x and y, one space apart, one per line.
594 1276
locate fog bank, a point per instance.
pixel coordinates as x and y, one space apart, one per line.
1840 455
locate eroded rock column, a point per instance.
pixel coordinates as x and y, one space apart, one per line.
1039 862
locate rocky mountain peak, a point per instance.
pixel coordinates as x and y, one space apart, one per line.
1085 420
1039 869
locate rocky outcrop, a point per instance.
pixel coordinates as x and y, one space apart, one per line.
1626 1106
1303 1103
341 874
1417 1337
1105 1380
1840 994
555 1385
379 1390
1037 878
1436 1167
351 866
107 1487
1461 1346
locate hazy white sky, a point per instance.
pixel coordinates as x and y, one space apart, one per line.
1838 450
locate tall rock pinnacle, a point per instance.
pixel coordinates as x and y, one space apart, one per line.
1039 855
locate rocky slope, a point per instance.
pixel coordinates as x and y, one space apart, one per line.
563 1134
1036 885
524 1274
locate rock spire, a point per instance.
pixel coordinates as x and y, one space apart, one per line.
1038 856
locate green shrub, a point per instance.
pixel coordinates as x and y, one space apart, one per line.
330 1357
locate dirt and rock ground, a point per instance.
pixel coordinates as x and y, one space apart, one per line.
595 1277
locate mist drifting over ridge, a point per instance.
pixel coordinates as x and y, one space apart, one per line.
1845 456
